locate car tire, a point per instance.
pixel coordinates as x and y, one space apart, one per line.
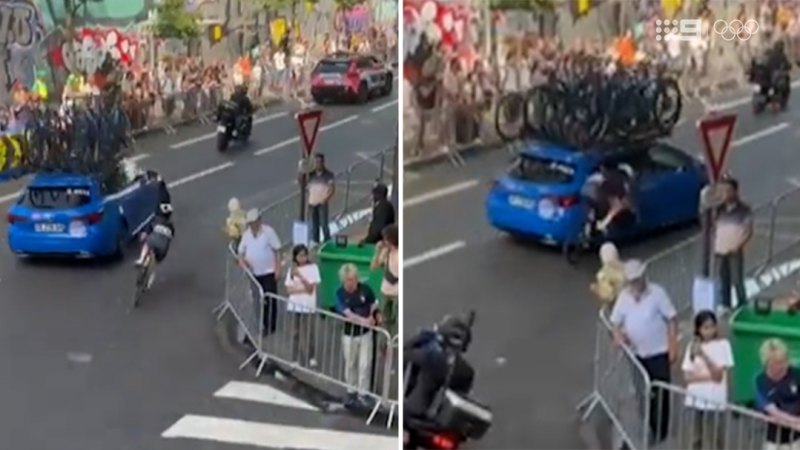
222 142
121 243
363 93
387 88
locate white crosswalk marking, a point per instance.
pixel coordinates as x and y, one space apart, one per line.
257 392
274 436
300 434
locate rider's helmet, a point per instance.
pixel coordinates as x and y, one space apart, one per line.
165 210
240 89
455 332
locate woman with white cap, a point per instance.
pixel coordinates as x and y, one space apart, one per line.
259 252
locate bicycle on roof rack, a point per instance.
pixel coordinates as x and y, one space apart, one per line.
582 105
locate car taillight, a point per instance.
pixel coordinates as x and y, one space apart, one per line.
93 219
13 218
443 442
567 202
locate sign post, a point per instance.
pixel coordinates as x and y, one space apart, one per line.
716 157
308 121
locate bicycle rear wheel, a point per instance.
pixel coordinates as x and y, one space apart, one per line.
509 116
142 274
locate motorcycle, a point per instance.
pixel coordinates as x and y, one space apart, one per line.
231 125
774 93
452 417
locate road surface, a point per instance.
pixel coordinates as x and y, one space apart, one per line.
80 373
534 334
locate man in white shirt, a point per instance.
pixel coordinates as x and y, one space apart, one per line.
644 320
259 253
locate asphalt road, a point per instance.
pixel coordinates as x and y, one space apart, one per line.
80 373
534 335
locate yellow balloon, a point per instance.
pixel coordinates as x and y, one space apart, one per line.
16 142
3 154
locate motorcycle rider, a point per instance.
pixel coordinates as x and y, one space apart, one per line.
157 238
779 67
429 358
244 113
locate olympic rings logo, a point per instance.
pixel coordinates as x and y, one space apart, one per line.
736 29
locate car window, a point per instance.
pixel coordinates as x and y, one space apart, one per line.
666 158
541 170
55 198
332 67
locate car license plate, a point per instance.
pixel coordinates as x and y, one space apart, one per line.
49 228
221 128
521 202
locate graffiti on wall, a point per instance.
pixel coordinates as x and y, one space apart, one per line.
91 46
21 31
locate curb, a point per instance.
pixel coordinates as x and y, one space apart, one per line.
438 157
189 122
292 381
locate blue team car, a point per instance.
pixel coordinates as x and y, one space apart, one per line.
543 194
73 215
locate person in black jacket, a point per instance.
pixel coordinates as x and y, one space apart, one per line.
383 214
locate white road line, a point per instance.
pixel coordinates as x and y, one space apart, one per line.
735 103
296 139
9 197
277 146
433 254
339 123
207 136
274 436
14 195
759 134
439 193
262 393
384 106
794 181
201 174
138 157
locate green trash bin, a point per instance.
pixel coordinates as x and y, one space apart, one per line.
748 331
331 259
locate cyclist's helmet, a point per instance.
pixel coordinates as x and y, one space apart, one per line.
165 209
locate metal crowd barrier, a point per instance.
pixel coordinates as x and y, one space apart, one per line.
353 195
311 342
620 383
774 234
192 104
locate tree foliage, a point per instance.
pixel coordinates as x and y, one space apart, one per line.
175 21
529 5
282 5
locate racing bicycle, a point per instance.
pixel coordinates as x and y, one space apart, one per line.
144 272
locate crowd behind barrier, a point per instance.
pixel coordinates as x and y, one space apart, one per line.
621 386
353 196
312 342
453 106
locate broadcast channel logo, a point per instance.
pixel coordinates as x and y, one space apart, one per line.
691 29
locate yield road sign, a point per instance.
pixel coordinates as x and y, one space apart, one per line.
309 128
716 153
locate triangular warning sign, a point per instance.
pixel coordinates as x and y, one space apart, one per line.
716 132
309 127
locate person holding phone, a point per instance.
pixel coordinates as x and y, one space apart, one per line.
705 368
301 285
